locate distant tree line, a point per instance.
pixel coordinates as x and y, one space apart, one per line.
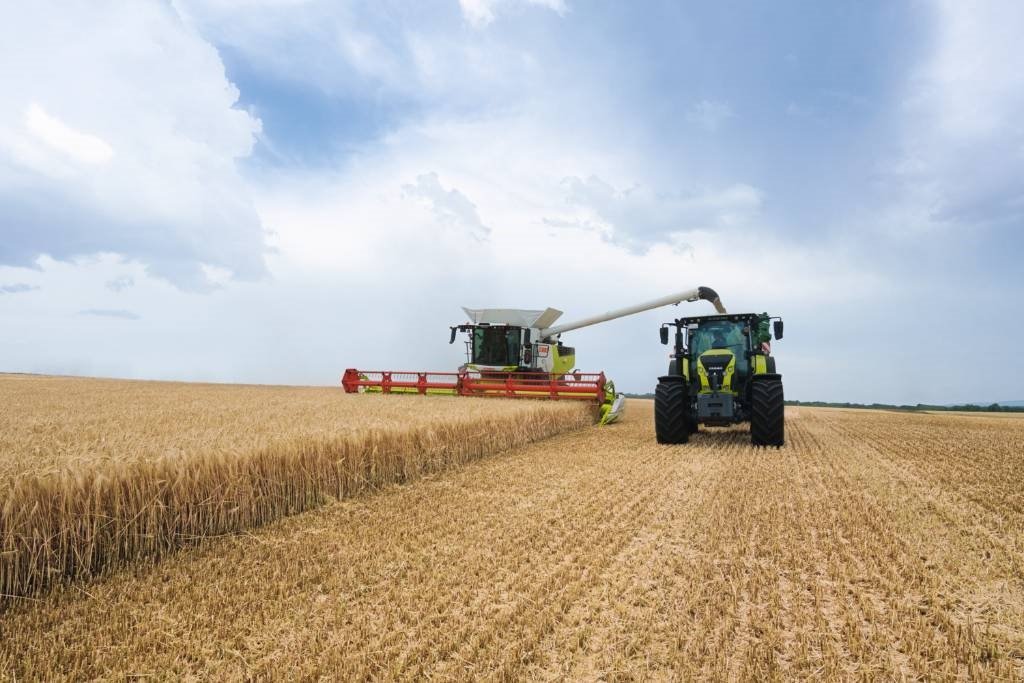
969 408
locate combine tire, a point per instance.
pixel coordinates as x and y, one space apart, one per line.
767 413
672 410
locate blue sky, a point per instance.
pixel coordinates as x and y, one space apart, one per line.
274 190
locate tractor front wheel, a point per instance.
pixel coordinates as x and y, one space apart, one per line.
767 412
672 419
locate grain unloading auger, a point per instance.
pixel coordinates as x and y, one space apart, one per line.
517 353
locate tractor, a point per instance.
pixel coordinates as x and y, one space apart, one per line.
721 373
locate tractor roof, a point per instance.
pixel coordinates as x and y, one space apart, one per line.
731 317
516 317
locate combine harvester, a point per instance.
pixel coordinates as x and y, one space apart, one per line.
516 353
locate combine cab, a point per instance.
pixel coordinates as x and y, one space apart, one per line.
518 353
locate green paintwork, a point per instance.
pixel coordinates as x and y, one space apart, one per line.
488 368
730 369
607 416
561 363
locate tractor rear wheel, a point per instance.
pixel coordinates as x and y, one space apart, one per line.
767 412
672 417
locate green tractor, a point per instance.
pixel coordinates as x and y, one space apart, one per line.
721 373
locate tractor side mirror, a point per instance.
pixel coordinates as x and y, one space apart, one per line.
778 329
452 340
664 335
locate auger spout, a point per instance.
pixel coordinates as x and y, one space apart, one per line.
696 294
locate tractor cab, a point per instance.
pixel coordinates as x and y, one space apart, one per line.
717 353
720 352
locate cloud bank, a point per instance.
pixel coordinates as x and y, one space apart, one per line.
119 133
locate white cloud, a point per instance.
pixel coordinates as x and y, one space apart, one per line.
118 133
974 81
480 13
639 216
420 56
337 48
450 207
52 131
961 118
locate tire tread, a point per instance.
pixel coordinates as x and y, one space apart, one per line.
671 411
768 413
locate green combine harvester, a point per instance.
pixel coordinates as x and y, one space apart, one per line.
721 373
518 353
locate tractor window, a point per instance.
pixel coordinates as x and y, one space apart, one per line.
721 334
496 346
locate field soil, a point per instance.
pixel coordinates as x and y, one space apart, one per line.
873 546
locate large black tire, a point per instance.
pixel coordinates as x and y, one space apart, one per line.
672 410
673 371
767 413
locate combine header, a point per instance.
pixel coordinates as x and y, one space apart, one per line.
589 387
517 353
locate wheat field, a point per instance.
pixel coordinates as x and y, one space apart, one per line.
874 546
96 474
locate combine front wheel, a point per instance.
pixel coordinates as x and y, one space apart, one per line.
672 419
767 412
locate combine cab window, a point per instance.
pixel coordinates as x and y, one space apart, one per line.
496 346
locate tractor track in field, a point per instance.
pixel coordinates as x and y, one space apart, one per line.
850 553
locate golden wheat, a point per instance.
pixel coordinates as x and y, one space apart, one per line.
874 546
97 473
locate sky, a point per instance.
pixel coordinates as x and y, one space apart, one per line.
271 191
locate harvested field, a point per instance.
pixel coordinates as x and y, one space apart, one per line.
98 473
874 546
